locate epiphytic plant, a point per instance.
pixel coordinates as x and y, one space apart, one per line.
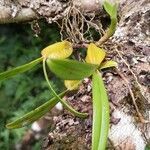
101 117
73 72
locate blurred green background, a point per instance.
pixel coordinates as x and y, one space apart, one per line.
19 45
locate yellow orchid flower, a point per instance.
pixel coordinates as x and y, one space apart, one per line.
72 84
95 55
59 50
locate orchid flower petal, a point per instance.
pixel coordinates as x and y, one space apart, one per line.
59 50
72 84
95 55
108 64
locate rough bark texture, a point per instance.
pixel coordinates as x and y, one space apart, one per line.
52 10
25 10
130 47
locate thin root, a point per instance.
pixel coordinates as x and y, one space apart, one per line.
77 28
142 120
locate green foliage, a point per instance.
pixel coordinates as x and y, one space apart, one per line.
22 93
78 114
34 114
19 70
110 8
100 113
147 147
65 69
71 69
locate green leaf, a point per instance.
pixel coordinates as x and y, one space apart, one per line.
20 69
110 8
34 114
71 69
100 114
108 64
76 113
147 147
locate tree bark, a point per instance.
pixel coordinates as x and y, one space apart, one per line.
52 10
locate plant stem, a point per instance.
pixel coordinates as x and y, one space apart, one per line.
78 114
109 32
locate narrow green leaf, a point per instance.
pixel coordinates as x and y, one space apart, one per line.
100 114
147 147
76 113
110 8
20 69
71 69
34 114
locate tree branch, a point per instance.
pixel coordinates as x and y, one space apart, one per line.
25 14
25 10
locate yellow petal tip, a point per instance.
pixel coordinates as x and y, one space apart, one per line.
59 50
95 55
72 84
